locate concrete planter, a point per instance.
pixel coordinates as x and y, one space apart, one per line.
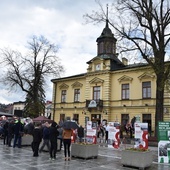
137 159
84 151
27 140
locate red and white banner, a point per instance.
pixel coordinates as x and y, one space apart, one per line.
113 134
91 133
141 135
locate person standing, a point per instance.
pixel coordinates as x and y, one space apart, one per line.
67 133
53 140
106 133
37 138
80 133
5 128
10 132
18 131
60 130
46 138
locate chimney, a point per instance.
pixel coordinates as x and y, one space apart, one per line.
124 61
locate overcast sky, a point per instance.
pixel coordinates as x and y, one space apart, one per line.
61 22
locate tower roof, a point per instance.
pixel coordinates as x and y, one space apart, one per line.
106 33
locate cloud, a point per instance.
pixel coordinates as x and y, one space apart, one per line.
59 21
8 97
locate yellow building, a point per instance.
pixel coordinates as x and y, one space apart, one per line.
110 90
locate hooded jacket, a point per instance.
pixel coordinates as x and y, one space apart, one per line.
53 132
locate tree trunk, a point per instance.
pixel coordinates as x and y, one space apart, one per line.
159 102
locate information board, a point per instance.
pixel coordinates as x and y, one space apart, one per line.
164 142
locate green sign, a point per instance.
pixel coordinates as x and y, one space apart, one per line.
163 131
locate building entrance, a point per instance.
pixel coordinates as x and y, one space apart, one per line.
96 118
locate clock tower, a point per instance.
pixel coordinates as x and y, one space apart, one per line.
107 58
106 43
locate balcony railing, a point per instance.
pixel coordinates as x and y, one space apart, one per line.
94 104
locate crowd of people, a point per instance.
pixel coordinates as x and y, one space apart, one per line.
47 134
43 135
12 129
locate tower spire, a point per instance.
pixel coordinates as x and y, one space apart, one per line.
107 20
106 43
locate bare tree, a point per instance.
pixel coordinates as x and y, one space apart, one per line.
30 71
142 26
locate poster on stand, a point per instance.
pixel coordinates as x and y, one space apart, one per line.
89 125
164 142
141 135
91 132
113 129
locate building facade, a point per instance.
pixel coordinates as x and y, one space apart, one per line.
18 108
110 90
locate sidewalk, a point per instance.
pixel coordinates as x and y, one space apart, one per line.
108 159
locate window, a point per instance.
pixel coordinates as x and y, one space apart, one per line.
125 91
96 118
76 95
62 118
96 93
124 119
100 49
63 96
108 47
97 67
146 90
147 119
76 117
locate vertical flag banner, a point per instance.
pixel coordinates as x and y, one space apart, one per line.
91 132
164 142
141 135
113 134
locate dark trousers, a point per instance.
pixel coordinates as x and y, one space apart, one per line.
45 142
67 143
17 140
61 143
53 149
35 148
106 137
10 136
5 138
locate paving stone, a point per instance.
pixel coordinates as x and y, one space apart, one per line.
108 159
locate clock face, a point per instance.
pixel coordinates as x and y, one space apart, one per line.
98 67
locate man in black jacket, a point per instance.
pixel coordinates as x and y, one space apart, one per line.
18 131
37 138
5 128
53 140
10 131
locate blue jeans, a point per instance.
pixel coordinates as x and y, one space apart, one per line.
45 142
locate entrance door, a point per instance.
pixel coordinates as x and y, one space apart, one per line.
96 118
147 119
